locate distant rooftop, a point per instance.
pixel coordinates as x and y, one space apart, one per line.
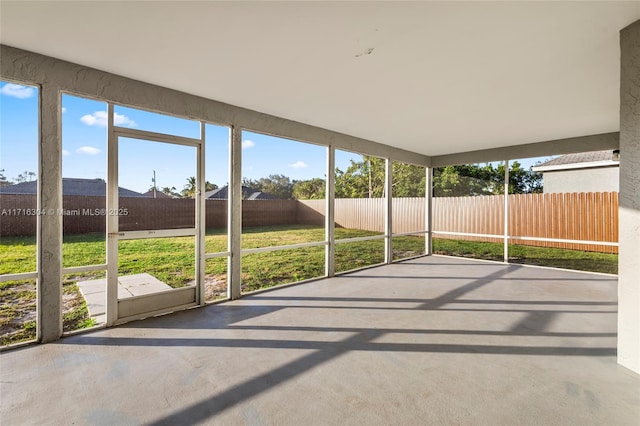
247 194
605 158
71 186
158 194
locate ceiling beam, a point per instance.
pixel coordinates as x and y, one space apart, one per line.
531 150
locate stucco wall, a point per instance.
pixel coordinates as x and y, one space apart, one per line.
601 179
629 240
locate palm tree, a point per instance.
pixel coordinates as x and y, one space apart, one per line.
190 188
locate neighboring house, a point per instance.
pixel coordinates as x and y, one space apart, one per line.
247 194
71 186
258 195
156 194
595 171
219 193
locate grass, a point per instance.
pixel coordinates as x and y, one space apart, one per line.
171 260
540 256
18 310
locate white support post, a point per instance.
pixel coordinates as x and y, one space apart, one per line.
112 220
49 225
388 213
428 214
629 208
200 219
329 214
235 215
506 211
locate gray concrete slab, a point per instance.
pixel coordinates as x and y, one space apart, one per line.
94 291
434 340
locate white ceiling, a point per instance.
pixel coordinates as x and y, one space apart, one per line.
431 77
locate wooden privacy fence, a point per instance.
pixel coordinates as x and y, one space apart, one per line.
589 216
581 216
368 213
569 216
585 216
474 215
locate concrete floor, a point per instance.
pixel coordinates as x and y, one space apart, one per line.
434 340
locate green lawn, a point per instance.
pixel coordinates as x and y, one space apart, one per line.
171 260
541 256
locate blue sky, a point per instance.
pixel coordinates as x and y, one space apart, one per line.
84 144
18 129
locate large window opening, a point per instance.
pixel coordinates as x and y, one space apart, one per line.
283 184
559 211
408 210
563 211
84 174
359 211
468 211
217 140
19 112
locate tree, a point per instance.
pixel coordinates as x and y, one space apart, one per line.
3 179
279 186
190 188
362 179
522 181
366 179
457 181
170 191
408 180
312 189
25 176
473 179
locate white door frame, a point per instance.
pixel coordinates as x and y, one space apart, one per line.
119 311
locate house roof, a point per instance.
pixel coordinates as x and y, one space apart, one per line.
158 194
580 160
259 195
71 186
218 193
247 194
466 75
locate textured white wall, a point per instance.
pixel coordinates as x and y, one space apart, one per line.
602 179
629 260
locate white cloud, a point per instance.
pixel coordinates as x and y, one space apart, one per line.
65 152
122 120
99 118
90 150
299 165
248 144
17 91
64 110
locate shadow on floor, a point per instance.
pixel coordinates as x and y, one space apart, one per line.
230 317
